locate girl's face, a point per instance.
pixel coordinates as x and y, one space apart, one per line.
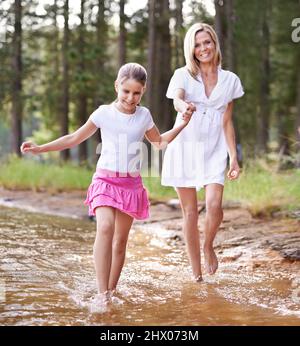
129 94
205 48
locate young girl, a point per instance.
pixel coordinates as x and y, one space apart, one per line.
198 156
116 195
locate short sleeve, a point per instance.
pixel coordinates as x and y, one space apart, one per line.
177 82
97 117
149 121
237 90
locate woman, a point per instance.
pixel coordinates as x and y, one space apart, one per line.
198 156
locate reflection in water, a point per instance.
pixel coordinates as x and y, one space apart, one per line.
47 278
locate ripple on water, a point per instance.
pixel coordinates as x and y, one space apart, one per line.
49 279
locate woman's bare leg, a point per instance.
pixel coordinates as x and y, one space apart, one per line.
123 224
188 201
213 219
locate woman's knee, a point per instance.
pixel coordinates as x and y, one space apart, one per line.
190 213
213 207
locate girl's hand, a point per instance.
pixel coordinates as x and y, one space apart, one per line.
234 170
30 147
190 109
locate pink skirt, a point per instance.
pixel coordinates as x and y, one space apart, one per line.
118 190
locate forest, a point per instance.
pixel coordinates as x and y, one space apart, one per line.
59 63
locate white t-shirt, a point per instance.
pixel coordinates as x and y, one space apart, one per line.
122 135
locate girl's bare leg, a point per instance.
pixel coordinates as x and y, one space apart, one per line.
188 201
123 224
103 246
213 219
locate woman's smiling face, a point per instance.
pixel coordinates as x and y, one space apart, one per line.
205 48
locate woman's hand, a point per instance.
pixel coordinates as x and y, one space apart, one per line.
234 170
186 115
30 147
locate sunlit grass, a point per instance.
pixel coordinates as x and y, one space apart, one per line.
260 188
263 190
25 174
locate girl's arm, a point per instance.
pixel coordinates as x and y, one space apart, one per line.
229 132
65 142
160 141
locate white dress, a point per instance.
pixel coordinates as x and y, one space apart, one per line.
198 155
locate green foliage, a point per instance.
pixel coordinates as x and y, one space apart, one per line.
264 190
26 174
260 187
42 63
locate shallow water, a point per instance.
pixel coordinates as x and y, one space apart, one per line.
47 278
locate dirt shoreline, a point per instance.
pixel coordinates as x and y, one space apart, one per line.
272 243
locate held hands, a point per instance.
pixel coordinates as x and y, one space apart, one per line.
186 115
30 147
234 170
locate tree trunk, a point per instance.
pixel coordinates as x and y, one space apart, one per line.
101 44
179 54
230 50
264 108
159 63
151 54
82 97
56 40
122 34
64 123
230 46
297 124
165 105
101 40
219 23
17 106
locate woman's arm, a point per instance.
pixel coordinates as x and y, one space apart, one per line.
179 104
229 132
65 142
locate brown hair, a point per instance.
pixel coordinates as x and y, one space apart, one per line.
189 47
134 71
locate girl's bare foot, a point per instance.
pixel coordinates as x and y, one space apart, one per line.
100 302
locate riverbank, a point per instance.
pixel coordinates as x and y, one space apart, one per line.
261 187
278 238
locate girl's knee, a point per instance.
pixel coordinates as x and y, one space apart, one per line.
119 245
105 228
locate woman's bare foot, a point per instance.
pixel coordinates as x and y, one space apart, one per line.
198 278
210 259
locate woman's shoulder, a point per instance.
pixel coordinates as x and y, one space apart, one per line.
229 75
181 70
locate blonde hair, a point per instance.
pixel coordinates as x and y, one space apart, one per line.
134 71
189 47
